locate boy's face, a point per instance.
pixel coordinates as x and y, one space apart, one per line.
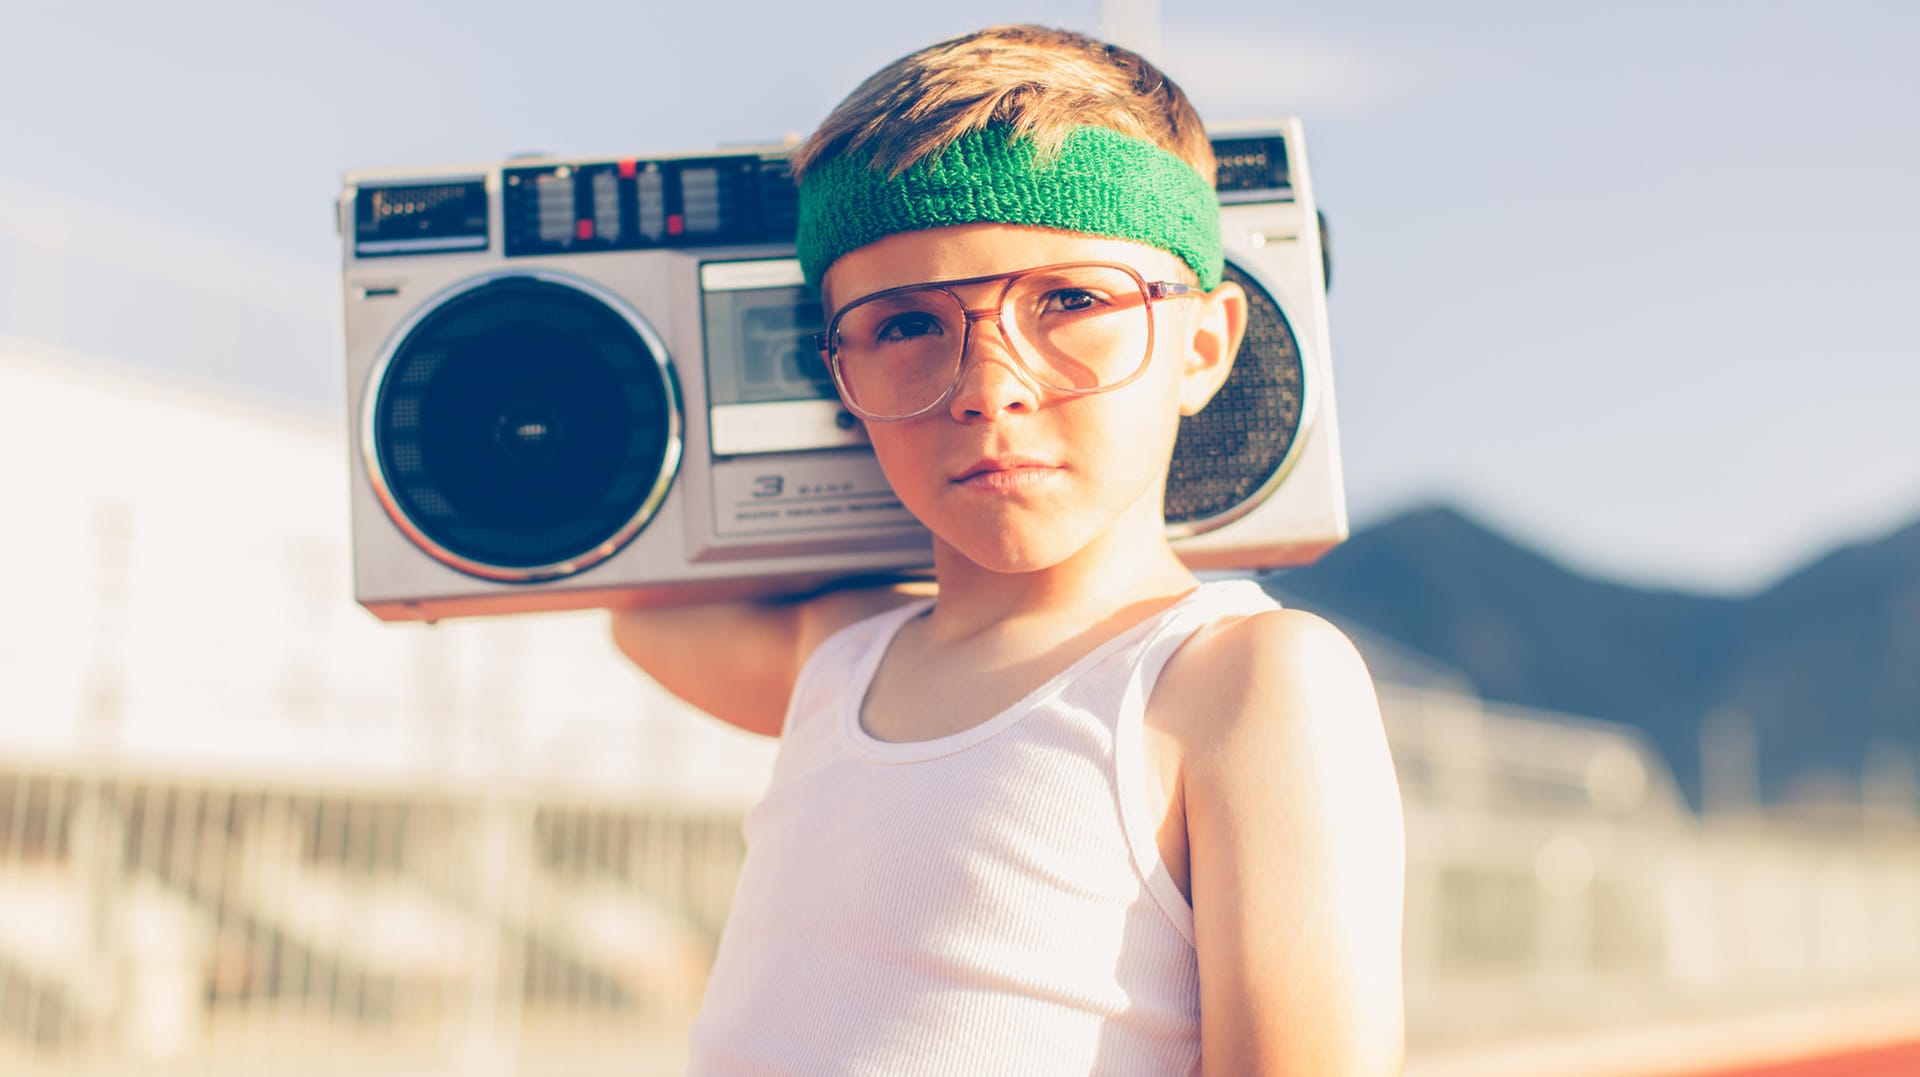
1011 475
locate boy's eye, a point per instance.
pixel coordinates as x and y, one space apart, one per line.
1069 301
909 326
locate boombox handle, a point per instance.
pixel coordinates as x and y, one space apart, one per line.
1326 251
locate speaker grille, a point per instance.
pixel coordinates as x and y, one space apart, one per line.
523 424
1228 452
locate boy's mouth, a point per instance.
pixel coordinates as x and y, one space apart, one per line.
1003 472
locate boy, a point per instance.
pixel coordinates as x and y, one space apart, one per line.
1077 813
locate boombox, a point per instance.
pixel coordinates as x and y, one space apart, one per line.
592 382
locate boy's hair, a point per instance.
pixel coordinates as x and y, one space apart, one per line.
1040 83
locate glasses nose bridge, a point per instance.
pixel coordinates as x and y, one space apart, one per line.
968 362
996 288
970 315
996 314
992 312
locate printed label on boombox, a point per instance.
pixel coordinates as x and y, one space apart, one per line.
592 382
842 492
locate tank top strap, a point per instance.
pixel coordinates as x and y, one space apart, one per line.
842 665
1209 603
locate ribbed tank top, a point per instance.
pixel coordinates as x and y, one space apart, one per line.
990 902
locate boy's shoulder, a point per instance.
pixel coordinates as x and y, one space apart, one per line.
1243 674
1289 800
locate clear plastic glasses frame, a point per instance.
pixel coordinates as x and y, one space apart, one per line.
916 299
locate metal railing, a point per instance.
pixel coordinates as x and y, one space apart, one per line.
1558 882
167 921
157 923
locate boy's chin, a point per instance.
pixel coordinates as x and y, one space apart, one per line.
995 555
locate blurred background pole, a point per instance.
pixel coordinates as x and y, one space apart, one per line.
1134 24
98 838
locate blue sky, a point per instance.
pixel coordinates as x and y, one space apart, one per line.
1634 282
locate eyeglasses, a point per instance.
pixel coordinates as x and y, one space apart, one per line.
1076 328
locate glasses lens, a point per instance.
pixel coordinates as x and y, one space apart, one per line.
1079 328
897 352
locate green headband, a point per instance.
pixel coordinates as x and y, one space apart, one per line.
1102 183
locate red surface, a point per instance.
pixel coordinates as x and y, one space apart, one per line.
1892 1060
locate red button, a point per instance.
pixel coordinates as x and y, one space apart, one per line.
626 170
676 224
584 229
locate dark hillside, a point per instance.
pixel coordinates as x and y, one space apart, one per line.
1826 663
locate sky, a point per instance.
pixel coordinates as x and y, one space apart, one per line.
1633 283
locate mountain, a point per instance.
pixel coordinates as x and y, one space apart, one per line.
1825 663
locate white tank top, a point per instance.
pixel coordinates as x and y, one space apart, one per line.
990 902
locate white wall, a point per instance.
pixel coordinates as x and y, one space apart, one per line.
180 591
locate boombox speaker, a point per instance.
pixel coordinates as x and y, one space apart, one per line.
590 382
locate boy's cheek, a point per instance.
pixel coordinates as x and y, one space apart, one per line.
903 466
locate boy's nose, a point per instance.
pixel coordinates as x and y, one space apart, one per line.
992 379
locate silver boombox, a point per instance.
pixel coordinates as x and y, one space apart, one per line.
591 382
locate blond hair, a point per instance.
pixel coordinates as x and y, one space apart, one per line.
1040 82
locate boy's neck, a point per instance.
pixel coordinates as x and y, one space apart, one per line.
1130 564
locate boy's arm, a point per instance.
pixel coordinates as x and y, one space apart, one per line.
738 661
1298 855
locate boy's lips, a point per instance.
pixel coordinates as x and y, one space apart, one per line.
1003 470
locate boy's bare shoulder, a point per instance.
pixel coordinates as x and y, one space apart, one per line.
1290 801
1282 664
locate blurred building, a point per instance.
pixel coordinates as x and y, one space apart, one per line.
229 796
190 603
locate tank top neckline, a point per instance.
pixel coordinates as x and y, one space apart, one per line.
865 745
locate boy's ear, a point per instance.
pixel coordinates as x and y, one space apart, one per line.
1214 332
